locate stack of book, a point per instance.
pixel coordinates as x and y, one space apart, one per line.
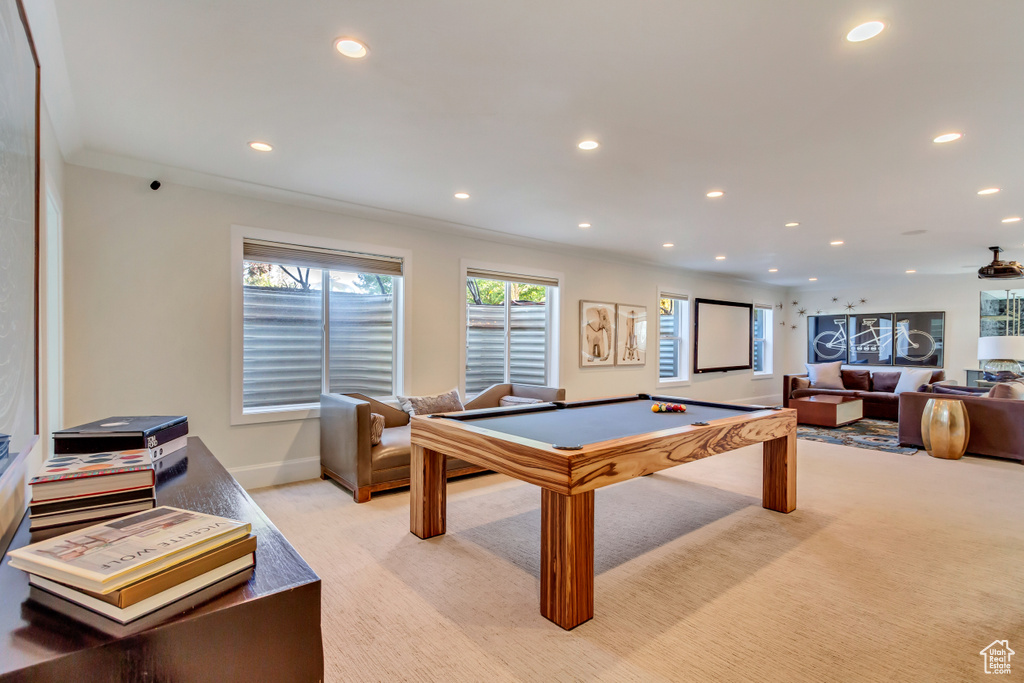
160 434
73 489
103 469
130 567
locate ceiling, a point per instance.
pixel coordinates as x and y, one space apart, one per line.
764 99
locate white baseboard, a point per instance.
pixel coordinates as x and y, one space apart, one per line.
272 474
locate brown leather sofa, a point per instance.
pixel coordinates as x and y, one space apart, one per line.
996 424
347 456
883 405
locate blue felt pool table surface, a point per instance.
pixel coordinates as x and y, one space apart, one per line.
581 425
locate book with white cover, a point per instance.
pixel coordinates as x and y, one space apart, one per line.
132 612
52 611
160 451
104 557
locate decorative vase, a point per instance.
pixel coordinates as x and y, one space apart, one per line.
945 429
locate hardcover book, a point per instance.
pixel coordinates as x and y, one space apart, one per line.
120 433
90 514
65 476
197 566
56 609
49 507
108 556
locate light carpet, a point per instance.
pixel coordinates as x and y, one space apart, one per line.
890 569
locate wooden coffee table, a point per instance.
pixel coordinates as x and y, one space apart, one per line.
827 411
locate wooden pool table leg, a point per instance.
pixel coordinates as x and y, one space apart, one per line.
780 474
427 492
567 557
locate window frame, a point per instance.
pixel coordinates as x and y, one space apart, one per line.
686 340
403 307
769 342
553 316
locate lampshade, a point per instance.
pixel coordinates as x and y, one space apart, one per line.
1005 348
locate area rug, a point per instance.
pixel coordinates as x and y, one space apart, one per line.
877 435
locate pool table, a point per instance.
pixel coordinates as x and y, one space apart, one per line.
571 449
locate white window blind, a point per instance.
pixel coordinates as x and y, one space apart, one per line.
763 333
263 251
511 277
508 328
673 336
316 320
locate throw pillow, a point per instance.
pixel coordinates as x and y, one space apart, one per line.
911 379
376 428
801 383
957 391
425 405
885 381
856 380
1014 390
507 401
825 375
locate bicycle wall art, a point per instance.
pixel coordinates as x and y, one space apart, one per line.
903 339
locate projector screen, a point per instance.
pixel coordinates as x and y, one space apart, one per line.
722 336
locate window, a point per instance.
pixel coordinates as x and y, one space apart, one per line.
510 330
317 320
673 337
763 330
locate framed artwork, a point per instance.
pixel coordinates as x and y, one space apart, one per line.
826 338
597 334
918 338
870 339
19 257
631 338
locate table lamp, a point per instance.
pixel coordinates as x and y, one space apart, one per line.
1001 355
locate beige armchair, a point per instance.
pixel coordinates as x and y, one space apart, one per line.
347 456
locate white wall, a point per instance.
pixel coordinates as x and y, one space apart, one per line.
957 295
148 308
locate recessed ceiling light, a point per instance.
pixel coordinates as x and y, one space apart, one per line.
668 244
1012 219
911 271
812 279
584 225
588 145
792 225
261 146
989 190
714 194
461 195
948 137
352 48
865 31
836 243
719 258
773 270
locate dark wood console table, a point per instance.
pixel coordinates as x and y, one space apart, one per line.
265 630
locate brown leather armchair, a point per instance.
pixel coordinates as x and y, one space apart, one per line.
347 457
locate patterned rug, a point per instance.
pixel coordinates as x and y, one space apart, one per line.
877 435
